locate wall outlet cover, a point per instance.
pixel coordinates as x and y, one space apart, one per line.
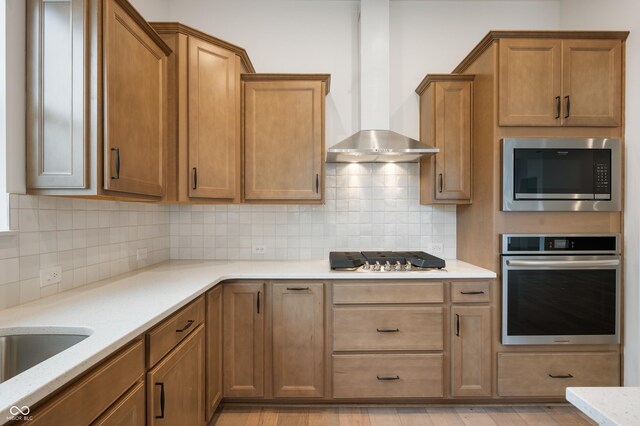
436 248
50 276
259 249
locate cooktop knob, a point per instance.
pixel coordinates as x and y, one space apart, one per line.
407 266
387 266
366 265
398 266
376 267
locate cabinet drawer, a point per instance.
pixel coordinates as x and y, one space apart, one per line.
379 328
530 374
86 399
471 291
387 293
173 330
387 376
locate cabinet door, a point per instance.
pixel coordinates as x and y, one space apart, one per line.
298 340
213 366
284 140
471 351
56 120
175 387
453 137
135 106
592 82
243 340
214 121
127 411
529 82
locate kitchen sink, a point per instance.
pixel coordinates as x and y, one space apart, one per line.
23 350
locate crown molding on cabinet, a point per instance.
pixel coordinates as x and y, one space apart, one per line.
432 78
326 78
135 15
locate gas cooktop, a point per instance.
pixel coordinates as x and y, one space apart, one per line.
383 261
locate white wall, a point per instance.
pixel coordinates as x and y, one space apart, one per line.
622 15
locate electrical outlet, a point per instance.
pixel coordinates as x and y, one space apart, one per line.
50 276
141 253
436 248
259 249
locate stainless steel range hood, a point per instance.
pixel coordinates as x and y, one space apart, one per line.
378 146
384 145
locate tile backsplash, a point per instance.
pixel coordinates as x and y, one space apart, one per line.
367 206
90 239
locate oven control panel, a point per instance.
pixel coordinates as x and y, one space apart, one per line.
533 244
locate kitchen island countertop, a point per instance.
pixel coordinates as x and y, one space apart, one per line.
119 309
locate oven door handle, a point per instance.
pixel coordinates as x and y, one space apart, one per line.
565 263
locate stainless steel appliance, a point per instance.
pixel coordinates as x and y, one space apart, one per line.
384 261
560 289
561 174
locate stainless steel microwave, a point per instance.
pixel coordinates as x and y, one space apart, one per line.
552 174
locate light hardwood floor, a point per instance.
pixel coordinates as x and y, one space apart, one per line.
234 415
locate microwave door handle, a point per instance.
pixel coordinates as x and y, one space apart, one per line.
561 263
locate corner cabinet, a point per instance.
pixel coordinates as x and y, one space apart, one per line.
552 82
446 112
284 137
96 100
204 115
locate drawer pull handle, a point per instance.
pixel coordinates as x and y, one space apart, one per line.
561 376
388 330
297 288
383 378
189 323
161 416
472 292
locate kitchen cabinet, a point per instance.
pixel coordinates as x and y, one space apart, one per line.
471 351
244 324
96 100
175 386
446 111
97 392
388 340
128 410
213 365
298 340
284 137
560 82
205 112
549 374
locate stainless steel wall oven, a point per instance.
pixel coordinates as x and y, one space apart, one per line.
561 174
560 289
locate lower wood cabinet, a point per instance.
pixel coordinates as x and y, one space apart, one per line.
128 410
298 340
387 375
85 400
548 374
244 307
175 386
471 351
213 363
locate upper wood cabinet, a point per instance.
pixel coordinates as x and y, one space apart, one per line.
284 137
298 340
554 82
96 100
446 111
204 153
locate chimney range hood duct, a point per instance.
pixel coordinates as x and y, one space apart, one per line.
376 146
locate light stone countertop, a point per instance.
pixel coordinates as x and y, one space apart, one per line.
120 309
608 406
